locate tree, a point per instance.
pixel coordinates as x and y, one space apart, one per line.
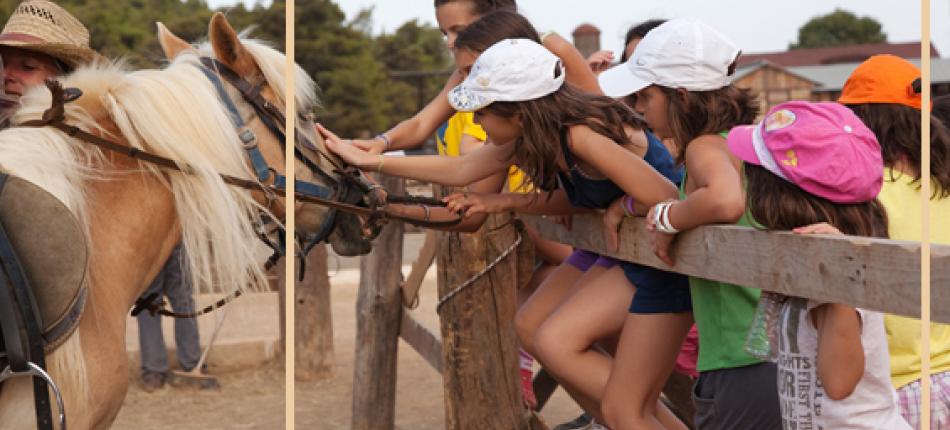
353 69
412 48
340 58
839 28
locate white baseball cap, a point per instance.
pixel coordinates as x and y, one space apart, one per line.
681 53
512 70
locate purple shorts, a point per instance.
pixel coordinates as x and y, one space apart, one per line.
584 260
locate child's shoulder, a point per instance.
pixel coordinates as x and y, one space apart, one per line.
705 145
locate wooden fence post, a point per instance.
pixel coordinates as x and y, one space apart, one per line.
379 314
480 375
314 322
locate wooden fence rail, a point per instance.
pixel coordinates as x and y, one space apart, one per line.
877 274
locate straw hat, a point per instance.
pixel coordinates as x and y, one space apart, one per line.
45 27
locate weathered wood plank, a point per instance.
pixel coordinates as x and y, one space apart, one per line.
410 288
424 342
878 274
314 323
379 313
479 343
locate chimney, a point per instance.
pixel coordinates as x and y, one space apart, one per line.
586 39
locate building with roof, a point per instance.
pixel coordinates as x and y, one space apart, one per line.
836 54
819 74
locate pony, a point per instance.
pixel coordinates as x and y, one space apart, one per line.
135 213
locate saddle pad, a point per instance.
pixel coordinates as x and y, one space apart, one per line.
51 247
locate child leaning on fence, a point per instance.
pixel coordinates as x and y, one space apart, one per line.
815 168
680 74
884 92
592 145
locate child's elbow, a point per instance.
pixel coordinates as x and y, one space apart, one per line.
730 210
839 388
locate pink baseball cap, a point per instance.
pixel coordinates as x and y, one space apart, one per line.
823 148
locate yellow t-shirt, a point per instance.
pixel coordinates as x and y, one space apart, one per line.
901 198
448 139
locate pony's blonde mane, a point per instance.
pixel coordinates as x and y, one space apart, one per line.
174 112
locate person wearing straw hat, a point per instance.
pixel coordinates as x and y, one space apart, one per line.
39 41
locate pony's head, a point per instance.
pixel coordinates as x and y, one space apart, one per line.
266 67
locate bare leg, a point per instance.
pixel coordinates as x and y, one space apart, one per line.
564 342
639 372
557 287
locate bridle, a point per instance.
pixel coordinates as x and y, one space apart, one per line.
371 203
336 197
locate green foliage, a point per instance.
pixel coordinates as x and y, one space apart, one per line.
353 69
839 28
126 29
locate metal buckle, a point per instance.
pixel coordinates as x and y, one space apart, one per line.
38 372
248 138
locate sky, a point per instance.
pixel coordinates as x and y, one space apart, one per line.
754 25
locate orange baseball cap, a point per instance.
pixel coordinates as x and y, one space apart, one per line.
883 78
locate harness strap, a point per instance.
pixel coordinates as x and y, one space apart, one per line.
252 95
17 300
248 139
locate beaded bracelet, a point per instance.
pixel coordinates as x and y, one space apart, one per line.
386 142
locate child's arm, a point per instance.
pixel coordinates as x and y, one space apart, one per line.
412 132
576 68
452 171
471 222
717 197
630 172
544 203
840 352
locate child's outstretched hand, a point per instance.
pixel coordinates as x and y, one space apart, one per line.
820 228
475 203
613 217
349 153
600 61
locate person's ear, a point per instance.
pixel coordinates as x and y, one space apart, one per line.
683 95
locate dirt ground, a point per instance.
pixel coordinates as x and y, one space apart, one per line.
254 398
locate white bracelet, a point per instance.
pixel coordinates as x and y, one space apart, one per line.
664 224
656 214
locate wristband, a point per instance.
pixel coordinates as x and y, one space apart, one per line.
382 159
386 142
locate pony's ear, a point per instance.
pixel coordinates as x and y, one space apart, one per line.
228 48
171 44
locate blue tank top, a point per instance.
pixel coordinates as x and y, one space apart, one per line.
600 193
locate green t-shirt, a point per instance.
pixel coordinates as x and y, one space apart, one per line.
723 314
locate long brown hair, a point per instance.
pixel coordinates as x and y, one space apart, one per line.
482 7
898 129
778 204
546 119
493 28
695 113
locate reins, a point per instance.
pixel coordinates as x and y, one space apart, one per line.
309 193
